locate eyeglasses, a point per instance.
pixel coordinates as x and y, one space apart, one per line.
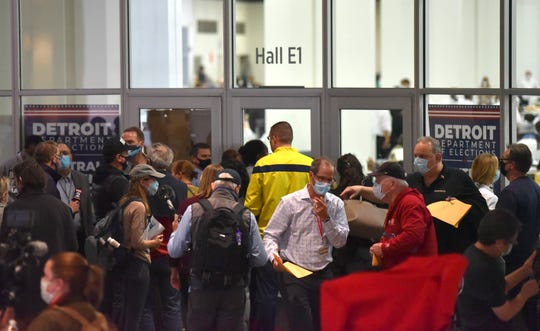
502 159
324 179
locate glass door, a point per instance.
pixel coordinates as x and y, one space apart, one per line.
252 117
375 130
178 122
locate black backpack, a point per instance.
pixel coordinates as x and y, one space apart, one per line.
106 246
220 244
100 195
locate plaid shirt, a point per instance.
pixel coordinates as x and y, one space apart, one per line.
294 233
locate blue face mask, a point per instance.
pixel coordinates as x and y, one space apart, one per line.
65 162
421 165
321 188
377 191
497 176
153 188
133 152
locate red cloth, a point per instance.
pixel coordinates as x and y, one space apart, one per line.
418 294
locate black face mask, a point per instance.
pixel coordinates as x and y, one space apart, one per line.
502 168
204 163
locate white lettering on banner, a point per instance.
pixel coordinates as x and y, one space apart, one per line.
72 129
81 166
462 131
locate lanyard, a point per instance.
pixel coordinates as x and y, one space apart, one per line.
319 225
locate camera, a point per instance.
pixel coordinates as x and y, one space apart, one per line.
19 255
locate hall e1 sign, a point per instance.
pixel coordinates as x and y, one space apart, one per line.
278 55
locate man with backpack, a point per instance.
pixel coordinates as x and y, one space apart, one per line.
225 241
110 183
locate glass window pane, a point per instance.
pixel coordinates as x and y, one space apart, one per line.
5 41
278 43
177 128
373 43
526 45
462 43
257 124
373 136
7 136
174 43
70 44
83 122
464 128
527 128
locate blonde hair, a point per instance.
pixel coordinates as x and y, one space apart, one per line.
4 187
136 190
484 168
207 177
184 167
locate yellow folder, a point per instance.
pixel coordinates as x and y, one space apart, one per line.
295 270
449 211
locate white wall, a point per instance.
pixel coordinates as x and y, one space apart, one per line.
527 41
355 43
397 42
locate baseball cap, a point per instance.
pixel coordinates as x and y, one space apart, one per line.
392 169
114 146
144 170
229 175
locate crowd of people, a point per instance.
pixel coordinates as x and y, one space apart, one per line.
232 231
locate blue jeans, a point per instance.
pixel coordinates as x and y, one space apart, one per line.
163 301
130 291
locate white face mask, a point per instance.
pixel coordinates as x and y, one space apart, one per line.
377 191
46 296
421 165
509 249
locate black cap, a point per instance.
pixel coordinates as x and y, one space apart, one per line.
114 146
392 169
228 175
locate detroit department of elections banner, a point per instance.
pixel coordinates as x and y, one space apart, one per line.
83 128
465 131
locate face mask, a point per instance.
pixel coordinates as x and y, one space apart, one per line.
65 162
153 188
133 152
377 191
46 296
502 169
497 176
321 188
509 249
204 163
421 165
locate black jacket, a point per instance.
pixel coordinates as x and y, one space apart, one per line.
109 185
455 183
52 224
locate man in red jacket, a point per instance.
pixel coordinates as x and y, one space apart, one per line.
408 227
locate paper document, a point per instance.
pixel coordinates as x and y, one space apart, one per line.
295 270
153 228
449 211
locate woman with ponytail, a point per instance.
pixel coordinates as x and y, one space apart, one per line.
72 288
